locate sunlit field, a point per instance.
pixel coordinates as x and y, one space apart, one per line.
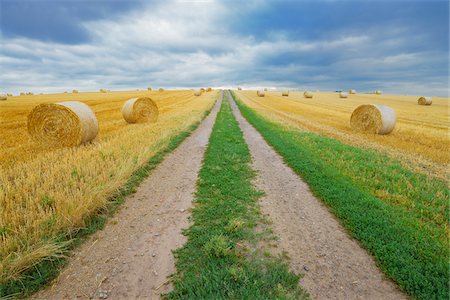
420 138
48 192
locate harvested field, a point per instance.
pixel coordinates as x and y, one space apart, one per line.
46 193
420 138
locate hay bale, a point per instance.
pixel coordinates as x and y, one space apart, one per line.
265 89
160 90
425 101
65 92
9 95
74 92
198 93
140 110
285 93
343 95
102 91
209 89
373 118
260 93
239 89
22 94
149 89
3 97
308 94
351 91
203 90
377 92
63 124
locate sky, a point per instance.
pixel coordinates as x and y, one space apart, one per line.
398 46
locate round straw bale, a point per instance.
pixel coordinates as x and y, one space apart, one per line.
373 118
197 93
74 91
377 92
425 101
149 89
265 90
285 93
140 110
239 88
160 90
63 124
3 97
202 90
351 91
102 91
260 93
22 94
308 94
343 95
209 89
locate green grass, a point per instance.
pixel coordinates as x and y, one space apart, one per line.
48 269
407 237
223 257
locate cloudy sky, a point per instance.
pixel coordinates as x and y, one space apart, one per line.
395 46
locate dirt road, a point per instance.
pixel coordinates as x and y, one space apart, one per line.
132 256
334 265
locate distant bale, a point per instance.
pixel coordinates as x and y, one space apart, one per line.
343 95
3 97
373 118
351 91
140 110
22 94
63 124
102 91
65 92
425 101
203 90
260 93
9 95
265 90
29 93
239 89
209 89
74 91
197 93
308 94
149 89
377 92
160 90
285 93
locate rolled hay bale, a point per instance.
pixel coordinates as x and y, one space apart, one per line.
352 91
425 101
140 110
102 91
209 89
160 90
265 90
308 94
65 92
198 93
260 93
285 93
3 97
62 124
9 95
239 89
22 94
74 92
377 92
149 89
343 95
203 90
30 93
373 118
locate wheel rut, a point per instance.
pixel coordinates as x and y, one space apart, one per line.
131 258
334 265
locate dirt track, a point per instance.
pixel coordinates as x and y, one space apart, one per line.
335 266
132 257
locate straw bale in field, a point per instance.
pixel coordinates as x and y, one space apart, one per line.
3 97
373 118
161 90
285 93
63 124
102 91
140 110
203 90
377 92
265 89
308 94
425 101
197 93
22 94
209 89
239 88
9 95
260 93
149 89
343 95
351 91
74 91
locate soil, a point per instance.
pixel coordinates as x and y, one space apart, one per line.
334 265
132 256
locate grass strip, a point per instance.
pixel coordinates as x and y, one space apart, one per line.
49 269
223 257
409 250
